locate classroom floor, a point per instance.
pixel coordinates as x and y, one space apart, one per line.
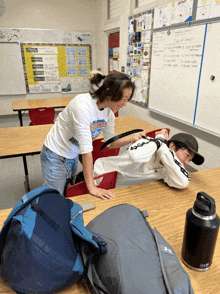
12 179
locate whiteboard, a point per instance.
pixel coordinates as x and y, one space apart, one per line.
175 69
208 107
12 79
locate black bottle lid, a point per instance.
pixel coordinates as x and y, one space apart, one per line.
204 204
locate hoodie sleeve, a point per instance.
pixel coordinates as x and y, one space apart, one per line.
142 150
176 175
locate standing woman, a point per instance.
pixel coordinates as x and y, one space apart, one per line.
84 118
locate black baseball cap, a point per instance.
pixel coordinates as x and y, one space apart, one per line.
191 144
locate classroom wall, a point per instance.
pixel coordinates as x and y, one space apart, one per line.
75 15
209 145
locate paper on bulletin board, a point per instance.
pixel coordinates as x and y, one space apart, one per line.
75 85
207 9
145 21
111 64
140 94
47 88
172 13
115 65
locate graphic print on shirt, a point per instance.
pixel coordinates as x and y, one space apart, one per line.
74 141
96 127
180 165
140 144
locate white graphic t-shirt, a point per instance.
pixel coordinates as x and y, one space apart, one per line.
78 125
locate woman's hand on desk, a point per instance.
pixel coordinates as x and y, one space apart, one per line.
101 193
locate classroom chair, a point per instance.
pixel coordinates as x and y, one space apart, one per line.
96 153
108 182
41 116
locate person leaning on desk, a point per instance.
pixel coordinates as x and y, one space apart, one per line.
84 118
153 159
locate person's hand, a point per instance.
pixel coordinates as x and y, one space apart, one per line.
138 136
101 193
163 132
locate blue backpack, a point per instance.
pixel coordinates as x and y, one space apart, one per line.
40 243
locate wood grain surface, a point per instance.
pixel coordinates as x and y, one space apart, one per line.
167 208
37 103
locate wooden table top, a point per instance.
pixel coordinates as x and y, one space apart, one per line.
167 208
20 141
19 105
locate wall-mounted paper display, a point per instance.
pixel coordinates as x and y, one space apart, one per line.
207 9
46 64
139 52
173 13
39 61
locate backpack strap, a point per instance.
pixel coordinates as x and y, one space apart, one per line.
95 283
180 282
90 276
91 246
36 207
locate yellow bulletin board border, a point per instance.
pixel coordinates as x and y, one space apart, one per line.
61 59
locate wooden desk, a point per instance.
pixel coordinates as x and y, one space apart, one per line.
22 105
166 208
15 142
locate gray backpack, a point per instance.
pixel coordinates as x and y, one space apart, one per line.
138 259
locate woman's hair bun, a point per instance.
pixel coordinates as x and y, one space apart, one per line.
96 77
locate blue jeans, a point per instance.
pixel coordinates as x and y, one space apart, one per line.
56 169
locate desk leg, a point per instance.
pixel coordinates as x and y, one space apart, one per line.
20 118
26 183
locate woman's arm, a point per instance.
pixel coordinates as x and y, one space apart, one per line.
87 162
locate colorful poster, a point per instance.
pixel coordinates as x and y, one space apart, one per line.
173 13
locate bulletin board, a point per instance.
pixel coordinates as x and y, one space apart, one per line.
139 54
44 61
56 67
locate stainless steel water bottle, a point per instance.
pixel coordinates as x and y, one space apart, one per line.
200 235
